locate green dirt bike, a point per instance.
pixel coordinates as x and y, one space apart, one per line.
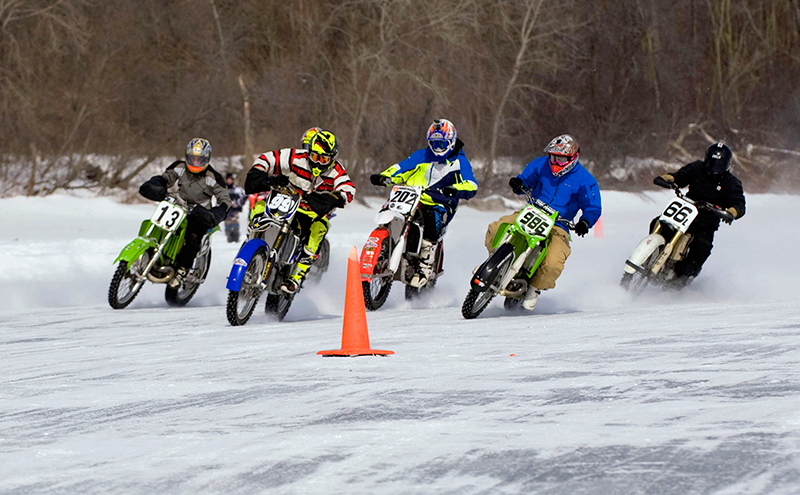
151 256
518 251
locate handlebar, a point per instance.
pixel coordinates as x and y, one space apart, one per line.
705 205
544 206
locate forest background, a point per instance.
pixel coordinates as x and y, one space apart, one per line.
95 93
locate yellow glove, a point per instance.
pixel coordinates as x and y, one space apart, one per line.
668 178
733 212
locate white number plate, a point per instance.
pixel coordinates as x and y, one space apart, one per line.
281 203
168 216
534 222
679 214
403 199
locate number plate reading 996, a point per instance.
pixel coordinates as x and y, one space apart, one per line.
534 222
168 216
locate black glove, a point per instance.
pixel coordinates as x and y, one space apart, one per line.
202 217
516 185
155 189
279 180
582 227
450 191
662 182
219 212
323 203
379 180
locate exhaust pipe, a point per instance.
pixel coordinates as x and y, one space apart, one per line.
523 287
170 272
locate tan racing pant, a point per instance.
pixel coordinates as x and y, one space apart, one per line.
553 263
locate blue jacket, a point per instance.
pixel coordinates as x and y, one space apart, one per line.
434 173
577 190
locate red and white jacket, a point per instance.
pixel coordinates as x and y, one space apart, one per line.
295 164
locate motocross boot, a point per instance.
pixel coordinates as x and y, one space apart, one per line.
425 268
295 280
531 298
177 280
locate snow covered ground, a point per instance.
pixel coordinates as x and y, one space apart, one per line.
596 392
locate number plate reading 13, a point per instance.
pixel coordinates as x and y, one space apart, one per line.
534 222
168 216
403 199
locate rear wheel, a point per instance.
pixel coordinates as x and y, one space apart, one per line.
180 296
376 291
242 302
278 305
125 284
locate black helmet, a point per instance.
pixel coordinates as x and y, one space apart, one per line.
718 159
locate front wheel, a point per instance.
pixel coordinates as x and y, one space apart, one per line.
125 283
278 305
242 302
180 296
376 291
476 302
637 281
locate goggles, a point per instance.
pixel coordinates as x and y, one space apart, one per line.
439 145
321 159
196 163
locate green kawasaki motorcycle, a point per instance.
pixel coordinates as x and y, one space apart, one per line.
151 256
518 251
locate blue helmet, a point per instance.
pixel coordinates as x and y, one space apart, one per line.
441 137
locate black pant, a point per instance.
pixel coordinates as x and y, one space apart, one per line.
434 219
699 251
196 228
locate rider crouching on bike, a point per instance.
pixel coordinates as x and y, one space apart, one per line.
323 183
560 181
709 180
443 170
197 182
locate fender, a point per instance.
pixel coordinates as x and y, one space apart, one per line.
135 248
489 272
643 250
385 216
370 251
240 263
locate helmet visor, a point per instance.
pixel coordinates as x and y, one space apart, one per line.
439 146
196 163
320 159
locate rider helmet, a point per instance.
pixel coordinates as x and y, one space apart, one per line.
441 137
308 135
198 154
563 154
322 151
718 159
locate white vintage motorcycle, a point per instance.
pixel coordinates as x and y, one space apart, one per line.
654 258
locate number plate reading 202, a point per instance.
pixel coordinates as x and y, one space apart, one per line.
403 199
168 216
534 222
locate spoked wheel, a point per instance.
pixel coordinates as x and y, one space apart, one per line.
376 291
278 305
125 284
241 304
476 302
636 282
179 296
321 265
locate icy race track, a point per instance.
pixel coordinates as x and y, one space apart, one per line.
596 392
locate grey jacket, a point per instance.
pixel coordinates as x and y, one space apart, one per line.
197 189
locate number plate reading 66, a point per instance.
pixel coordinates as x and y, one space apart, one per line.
168 216
534 222
679 214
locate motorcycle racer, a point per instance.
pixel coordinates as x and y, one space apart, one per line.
709 180
559 180
320 179
443 170
197 183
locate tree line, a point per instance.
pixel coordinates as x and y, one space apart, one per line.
629 78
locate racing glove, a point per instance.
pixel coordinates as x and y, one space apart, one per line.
379 180
733 214
665 180
155 189
202 217
582 227
516 185
323 203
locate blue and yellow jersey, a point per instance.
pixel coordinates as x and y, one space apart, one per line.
434 173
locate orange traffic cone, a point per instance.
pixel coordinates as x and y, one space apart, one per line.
598 228
355 337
